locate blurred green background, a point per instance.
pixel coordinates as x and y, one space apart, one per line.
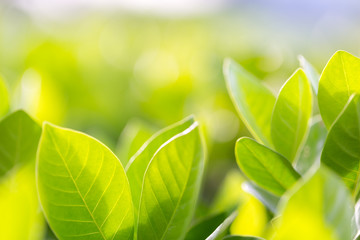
123 71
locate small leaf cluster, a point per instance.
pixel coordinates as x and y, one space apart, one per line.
86 192
304 160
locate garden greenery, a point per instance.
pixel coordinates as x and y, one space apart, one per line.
302 164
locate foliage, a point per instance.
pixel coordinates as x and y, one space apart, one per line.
299 177
312 162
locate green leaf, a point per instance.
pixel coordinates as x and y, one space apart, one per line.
19 137
341 150
318 207
311 152
19 206
339 80
4 98
171 186
205 227
131 139
265 167
238 237
223 228
252 99
311 73
139 162
292 112
82 187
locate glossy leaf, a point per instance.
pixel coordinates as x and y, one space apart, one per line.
319 207
171 186
19 137
311 73
19 207
341 150
82 187
292 112
265 167
339 80
4 98
311 152
205 227
252 99
139 162
134 135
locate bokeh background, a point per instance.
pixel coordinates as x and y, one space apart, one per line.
121 70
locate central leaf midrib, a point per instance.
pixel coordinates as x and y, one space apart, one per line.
77 188
177 204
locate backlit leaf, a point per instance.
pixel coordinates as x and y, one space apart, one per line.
341 150
171 186
139 162
19 137
252 99
292 112
265 167
82 187
339 80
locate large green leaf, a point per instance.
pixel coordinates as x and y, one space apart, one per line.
252 99
291 115
171 186
4 98
139 162
19 137
131 139
341 150
19 206
317 208
311 152
339 80
311 73
82 187
265 167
